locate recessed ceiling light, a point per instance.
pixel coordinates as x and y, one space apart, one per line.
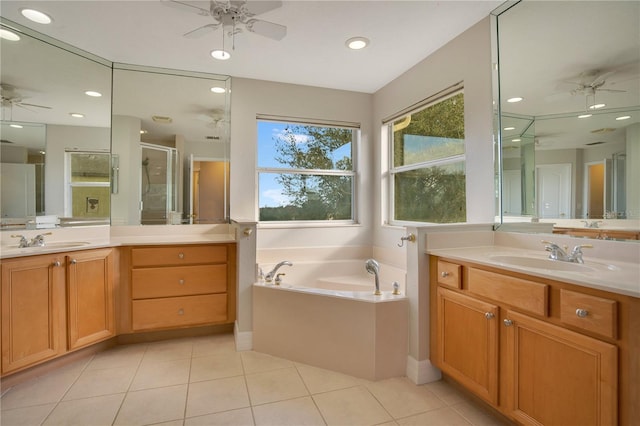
36 16
597 106
161 119
93 93
357 43
8 35
509 128
514 100
624 117
584 116
76 115
221 55
516 140
218 89
15 126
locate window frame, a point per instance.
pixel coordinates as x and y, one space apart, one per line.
69 184
353 173
392 170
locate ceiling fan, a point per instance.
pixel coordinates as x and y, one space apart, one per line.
233 16
591 82
11 97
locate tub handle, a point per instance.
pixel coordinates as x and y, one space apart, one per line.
410 237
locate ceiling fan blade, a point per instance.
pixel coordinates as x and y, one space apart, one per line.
267 29
185 7
611 90
199 32
33 105
258 7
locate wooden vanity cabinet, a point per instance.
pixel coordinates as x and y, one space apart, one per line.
90 299
180 286
55 303
33 310
564 354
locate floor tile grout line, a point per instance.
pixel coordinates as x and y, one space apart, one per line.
57 403
246 386
126 393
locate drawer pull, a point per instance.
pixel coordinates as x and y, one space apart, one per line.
181 282
489 315
181 255
445 274
508 322
582 313
180 311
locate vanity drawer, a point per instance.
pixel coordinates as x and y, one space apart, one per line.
449 274
179 311
178 281
526 295
178 255
589 313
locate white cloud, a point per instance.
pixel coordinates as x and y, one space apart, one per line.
298 138
273 198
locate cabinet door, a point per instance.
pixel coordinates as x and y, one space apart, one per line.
467 340
559 377
33 323
90 297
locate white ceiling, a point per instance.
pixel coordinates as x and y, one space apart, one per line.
148 32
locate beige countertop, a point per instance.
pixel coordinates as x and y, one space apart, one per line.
602 274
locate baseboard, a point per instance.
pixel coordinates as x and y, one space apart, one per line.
421 372
244 339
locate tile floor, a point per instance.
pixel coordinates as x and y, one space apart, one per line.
204 381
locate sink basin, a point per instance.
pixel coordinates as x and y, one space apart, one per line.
540 263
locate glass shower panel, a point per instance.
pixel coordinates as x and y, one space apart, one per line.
158 183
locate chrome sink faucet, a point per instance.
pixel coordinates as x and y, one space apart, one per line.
37 241
558 253
592 224
271 274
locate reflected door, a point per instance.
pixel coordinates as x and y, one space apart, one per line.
208 189
595 190
158 183
553 190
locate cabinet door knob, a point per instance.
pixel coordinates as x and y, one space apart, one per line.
445 274
73 261
508 322
181 255
180 311
489 315
181 282
56 263
582 313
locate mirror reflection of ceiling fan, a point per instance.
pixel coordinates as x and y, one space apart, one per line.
233 16
593 81
11 97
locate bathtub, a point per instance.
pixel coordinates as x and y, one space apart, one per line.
334 321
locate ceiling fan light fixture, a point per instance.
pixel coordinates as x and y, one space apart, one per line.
36 16
8 35
515 99
584 115
597 106
221 55
218 89
357 43
623 117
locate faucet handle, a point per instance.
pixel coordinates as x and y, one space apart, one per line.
278 280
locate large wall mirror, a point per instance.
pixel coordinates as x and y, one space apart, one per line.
170 139
56 115
163 158
569 85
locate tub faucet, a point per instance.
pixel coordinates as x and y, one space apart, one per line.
271 274
373 267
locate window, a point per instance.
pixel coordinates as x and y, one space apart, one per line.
88 184
427 170
305 172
